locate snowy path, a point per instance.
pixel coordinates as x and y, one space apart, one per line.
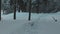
42 24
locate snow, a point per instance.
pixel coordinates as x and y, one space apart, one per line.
42 23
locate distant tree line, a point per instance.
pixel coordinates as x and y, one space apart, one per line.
37 6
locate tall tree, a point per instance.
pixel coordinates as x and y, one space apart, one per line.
37 7
30 10
0 9
14 9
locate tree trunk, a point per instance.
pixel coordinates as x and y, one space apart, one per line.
19 8
29 10
0 10
15 10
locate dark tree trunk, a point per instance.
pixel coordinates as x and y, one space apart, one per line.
15 10
19 8
29 10
0 10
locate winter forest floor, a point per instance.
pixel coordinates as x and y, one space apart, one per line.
42 23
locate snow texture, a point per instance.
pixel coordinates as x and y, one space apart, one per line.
39 24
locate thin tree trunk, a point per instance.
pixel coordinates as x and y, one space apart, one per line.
19 8
15 10
0 10
29 10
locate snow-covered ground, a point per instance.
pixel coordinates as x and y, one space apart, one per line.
39 24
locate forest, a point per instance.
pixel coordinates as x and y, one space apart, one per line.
31 6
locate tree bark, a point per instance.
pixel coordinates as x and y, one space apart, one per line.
29 10
15 10
0 10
